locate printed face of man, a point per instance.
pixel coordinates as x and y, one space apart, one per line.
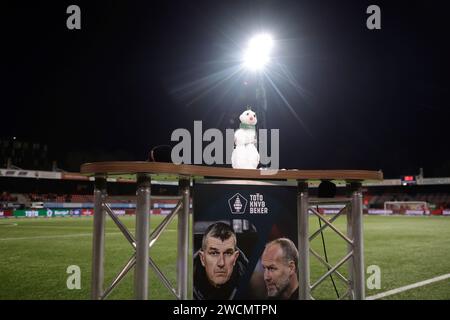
277 271
219 258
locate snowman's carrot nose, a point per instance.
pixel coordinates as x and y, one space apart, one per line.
251 118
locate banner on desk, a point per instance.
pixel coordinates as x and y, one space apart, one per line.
244 217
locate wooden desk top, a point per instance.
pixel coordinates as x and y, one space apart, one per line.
162 168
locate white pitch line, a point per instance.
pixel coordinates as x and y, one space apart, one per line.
62 227
58 236
13 224
408 287
67 236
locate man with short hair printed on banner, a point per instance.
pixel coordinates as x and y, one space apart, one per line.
218 265
280 263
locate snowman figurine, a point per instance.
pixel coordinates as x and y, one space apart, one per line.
245 155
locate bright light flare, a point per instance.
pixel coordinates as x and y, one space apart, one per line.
257 54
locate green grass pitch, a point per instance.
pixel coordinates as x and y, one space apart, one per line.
35 254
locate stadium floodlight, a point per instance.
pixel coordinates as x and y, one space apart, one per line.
257 54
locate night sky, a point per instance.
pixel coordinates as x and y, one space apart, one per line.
366 99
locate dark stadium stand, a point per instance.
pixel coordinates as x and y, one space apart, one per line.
437 199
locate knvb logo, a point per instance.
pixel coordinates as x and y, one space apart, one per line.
257 204
237 204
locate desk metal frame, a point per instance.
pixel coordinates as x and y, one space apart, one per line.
143 240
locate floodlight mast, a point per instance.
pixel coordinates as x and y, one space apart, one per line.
261 101
256 58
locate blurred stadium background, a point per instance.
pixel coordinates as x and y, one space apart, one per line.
46 225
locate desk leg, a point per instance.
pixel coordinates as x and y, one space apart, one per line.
358 242
183 240
350 247
142 236
98 239
303 240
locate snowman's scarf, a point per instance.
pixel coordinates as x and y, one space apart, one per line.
247 126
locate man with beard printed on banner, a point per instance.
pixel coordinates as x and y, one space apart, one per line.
280 263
